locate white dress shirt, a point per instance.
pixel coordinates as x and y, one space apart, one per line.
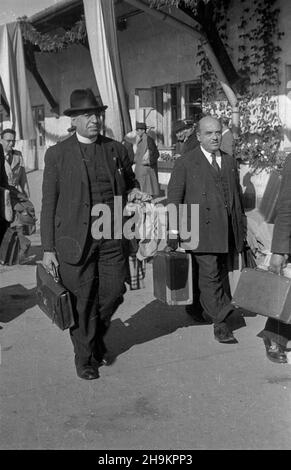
208 155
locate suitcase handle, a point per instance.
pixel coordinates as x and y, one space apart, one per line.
55 273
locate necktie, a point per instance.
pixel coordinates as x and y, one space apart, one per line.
9 157
214 163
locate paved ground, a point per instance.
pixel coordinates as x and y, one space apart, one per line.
172 387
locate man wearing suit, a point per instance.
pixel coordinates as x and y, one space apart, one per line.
277 334
227 140
208 177
81 172
186 136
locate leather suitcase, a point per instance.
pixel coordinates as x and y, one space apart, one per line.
9 248
53 299
172 277
264 293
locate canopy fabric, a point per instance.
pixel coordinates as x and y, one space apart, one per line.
14 82
102 38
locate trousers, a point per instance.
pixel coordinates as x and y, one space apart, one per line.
97 285
208 283
277 331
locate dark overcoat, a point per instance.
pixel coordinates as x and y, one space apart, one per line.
192 182
66 208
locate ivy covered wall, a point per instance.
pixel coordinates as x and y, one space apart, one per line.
257 38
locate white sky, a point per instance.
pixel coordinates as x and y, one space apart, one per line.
10 10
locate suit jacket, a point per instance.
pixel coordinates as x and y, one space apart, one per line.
192 182
281 242
3 176
66 208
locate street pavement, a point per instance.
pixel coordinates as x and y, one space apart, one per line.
172 387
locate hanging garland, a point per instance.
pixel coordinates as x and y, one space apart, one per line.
56 43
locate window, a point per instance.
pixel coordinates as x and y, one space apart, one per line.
174 102
38 117
193 100
161 106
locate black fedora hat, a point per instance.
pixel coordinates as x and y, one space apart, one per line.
140 125
82 101
182 124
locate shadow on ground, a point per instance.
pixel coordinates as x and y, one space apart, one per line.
15 300
154 320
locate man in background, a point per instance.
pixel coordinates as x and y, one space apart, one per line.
227 140
14 163
186 136
24 216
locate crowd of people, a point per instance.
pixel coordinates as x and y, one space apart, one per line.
89 169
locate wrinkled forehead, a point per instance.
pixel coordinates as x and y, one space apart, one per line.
210 125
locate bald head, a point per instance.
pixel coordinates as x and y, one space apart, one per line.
209 133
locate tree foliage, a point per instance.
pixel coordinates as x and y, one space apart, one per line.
258 59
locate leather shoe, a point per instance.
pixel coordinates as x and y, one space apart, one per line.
223 334
275 352
107 360
88 372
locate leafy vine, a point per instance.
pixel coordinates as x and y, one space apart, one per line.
258 58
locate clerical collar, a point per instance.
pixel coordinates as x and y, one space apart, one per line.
86 140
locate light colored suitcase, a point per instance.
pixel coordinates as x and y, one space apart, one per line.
172 277
264 293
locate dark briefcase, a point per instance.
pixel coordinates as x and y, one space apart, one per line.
53 299
172 277
9 248
264 293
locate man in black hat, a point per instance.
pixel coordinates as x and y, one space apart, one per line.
186 136
81 172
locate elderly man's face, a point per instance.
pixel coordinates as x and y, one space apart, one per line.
140 132
8 142
88 124
209 134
